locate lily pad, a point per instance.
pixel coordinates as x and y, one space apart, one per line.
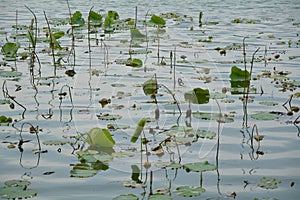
54 142
205 134
100 138
82 170
123 153
189 191
159 197
11 74
5 121
157 20
213 116
17 193
4 101
265 116
135 63
269 183
199 167
126 197
17 183
108 116
268 103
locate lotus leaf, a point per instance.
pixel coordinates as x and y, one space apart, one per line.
269 183
10 73
126 197
138 130
4 121
17 193
213 116
10 49
135 63
82 170
157 20
197 96
150 87
265 116
58 34
268 103
54 142
239 78
160 197
199 167
205 134
17 183
99 138
136 34
189 191
123 153
77 18
95 19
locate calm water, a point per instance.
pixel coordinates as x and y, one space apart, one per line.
239 164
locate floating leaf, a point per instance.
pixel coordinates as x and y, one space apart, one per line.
126 197
268 103
77 18
157 20
134 62
213 116
82 170
269 183
5 121
10 49
4 101
265 116
189 191
95 19
123 153
150 87
205 134
17 193
138 130
100 138
197 96
199 167
17 183
54 142
108 116
10 74
159 197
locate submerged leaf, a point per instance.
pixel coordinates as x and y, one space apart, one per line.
10 73
159 197
100 138
205 134
126 197
213 116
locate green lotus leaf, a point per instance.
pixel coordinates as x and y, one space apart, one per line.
126 197
197 96
117 126
138 130
10 73
58 34
157 20
80 173
199 167
10 49
136 34
17 193
113 14
95 19
123 153
189 191
77 18
98 137
150 87
239 78
160 197
134 62
269 183
205 134
265 116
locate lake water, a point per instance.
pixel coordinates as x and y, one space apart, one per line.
272 27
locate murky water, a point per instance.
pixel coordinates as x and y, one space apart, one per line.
272 26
